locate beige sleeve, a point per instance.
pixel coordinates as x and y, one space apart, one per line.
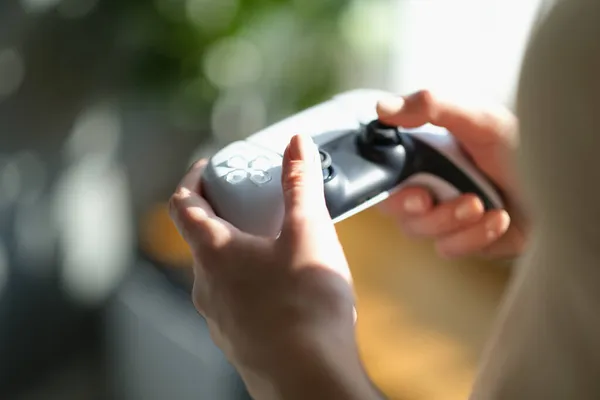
547 341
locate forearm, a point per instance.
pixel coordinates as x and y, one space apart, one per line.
331 371
338 383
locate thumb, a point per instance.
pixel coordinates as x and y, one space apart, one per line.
308 232
472 126
302 182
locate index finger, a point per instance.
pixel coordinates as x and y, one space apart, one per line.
194 217
468 124
193 177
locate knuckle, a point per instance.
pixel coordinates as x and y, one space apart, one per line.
294 176
178 198
215 238
426 99
428 104
216 245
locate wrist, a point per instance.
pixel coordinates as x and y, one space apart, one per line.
316 366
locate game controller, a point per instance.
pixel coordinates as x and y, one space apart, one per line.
363 163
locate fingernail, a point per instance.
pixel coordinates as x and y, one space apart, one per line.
302 147
414 204
468 210
391 105
497 226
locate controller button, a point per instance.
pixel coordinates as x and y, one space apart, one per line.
325 159
236 176
325 165
261 164
260 177
237 162
380 134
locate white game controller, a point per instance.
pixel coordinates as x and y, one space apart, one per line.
363 162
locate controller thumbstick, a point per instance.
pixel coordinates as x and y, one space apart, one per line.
325 164
379 134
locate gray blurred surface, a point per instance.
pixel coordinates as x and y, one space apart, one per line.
158 347
79 150
63 68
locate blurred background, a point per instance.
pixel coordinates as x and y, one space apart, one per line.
103 106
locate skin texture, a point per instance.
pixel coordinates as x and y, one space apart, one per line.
462 227
282 310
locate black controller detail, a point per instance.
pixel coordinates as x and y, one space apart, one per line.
360 165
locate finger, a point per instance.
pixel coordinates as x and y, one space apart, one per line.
186 207
302 182
193 176
308 236
194 218
468 125
196 222
408 202
446 218
475 238
509 246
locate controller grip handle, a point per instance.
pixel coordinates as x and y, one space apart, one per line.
447 174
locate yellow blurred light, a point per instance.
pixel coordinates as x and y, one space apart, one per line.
161 241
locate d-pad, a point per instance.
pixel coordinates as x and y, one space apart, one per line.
241 169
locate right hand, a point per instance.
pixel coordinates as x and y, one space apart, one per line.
462 227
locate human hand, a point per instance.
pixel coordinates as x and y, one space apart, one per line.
282 310
462 227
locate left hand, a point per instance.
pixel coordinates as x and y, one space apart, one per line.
272 302
462 227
